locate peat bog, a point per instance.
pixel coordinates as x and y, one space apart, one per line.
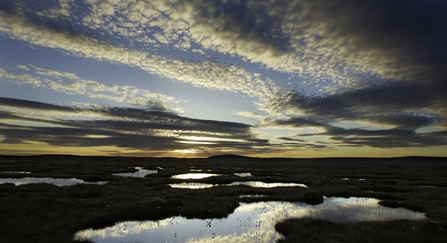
50 213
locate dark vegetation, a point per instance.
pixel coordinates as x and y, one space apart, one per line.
47 213
229 156
308 230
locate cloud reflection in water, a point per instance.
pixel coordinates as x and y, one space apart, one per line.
264 185
141 173
193 176
191 185
243 174
53 181
259 184
251 222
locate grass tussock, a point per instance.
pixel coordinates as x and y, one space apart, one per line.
400 204
307 230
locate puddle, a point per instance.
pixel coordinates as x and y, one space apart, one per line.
265 185
191 185
347 179
141 173
194 169
250 222
255 195
243 174
259 184
53 181
429 186
193 176
16 172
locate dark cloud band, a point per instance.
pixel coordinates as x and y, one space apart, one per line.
124 128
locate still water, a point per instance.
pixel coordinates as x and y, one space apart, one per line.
53 181
251 195
193 176
243 174
15 172
250 222
141 173
259 184
191 185
265 185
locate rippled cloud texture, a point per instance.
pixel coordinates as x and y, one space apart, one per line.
299 78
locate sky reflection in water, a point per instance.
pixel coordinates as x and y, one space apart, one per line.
191 185
252 222
16 172
141 173
193 176
53 181
264 185
250 195
259 184
243 174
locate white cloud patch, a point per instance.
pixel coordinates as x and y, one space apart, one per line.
70 83
205 74
23 67
249 114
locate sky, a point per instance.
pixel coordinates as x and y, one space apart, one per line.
195 78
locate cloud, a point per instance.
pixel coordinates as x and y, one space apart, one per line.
23 67
19 103
401 105
403 134
122 127
249 114
197 73
337 46
405 121
326 48
401 108
372 62
71 84
297 122
295 143
390 138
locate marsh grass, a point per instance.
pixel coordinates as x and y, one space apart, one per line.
400 204
308 230
47 213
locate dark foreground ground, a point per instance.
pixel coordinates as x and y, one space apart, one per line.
47 213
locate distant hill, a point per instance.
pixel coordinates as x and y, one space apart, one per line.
229 156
